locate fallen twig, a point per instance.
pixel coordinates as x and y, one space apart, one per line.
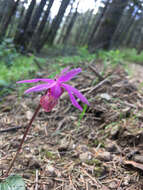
10 129
99 85
96 73
36 180
92 178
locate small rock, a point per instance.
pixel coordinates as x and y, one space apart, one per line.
104 156
85 156
113 185
138 158
51 170
105 96
29 115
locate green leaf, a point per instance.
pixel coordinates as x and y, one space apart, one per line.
13 182
82 113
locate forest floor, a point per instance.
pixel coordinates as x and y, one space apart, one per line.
100 148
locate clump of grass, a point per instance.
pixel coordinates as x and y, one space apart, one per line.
113 57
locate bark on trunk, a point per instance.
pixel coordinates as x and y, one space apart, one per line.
20 34
90 41
36 38
109 23
8 18
57 21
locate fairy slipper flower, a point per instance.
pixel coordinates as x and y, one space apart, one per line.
54 89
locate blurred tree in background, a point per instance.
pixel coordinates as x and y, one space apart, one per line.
31 24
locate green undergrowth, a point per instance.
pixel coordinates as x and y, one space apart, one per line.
15 66
112 57
131 55
83 55
22 68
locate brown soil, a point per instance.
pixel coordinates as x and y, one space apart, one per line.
66 150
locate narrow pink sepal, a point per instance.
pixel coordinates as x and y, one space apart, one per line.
69 75
40 87
73 100
35 80
64 71
76 93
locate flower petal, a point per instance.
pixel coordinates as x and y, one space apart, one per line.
73 100
40 87
69 75
76 92
56 91
35 80
65 70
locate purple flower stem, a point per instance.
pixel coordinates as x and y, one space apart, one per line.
22 141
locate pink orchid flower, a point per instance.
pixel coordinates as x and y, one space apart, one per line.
55 88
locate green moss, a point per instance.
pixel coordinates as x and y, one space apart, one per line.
98 171
49 155
95 162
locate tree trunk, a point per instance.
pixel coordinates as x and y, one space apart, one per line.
41 27
139 38
70 26
8 19
123 27
90 41
129 38
20 34
15 22
109 23
85 27
34 22
3 5
79 30
65 25
21 16
57 21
